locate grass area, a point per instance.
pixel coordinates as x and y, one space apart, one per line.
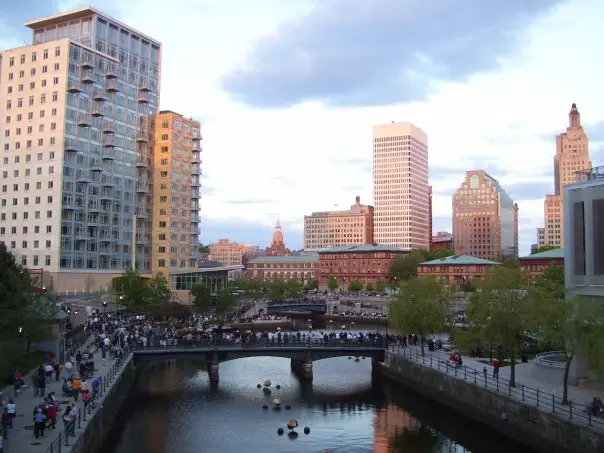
10 361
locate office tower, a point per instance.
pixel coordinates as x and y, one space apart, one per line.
76 115
485 218
430 215
400 186
176 185
572 156
339 228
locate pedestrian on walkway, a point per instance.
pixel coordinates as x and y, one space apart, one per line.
39 423
11 407
1 444
76 386
496 366
5 423
68 421
57 371
52 416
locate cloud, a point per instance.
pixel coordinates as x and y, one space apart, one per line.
529 190
595 132
280 180
379 53
364 165
248 201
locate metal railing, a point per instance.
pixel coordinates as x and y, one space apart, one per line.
545 401
90 408
317 343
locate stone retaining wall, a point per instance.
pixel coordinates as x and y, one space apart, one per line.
522 423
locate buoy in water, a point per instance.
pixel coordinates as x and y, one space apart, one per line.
258 386
292 434
306 430
287 407
265 406
280 431
278 387
349 358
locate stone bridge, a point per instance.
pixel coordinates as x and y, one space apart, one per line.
301 354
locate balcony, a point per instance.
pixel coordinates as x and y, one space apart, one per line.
143 213
83 177
195 160
142 98
108 154
194 207
142 239
108 127
195 170
195 218
195 182
99 95
73 86
142 187
96 110
71 145
87 76
111 73
106 195
68 203
84 121
142 136
144 87
107 181
142 161
94 207
112 86
195 195
197 137
109 142
196 148
96 165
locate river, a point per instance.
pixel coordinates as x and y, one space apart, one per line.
177 410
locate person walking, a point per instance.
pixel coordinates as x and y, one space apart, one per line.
11 407
39 423
5 423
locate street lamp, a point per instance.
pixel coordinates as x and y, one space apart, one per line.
20 330
121 299
331 324
104 306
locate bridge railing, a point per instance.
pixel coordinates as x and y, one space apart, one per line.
546 401
260 344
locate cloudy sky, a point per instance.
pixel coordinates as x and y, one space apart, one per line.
288 91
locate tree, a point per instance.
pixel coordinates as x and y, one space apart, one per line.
293 288
202 297
500 312
545 248
552 279
203 249
226 302
380 286
312 285
369 287
405 267
159 290
355 286
253 288
133 291
275 289
421 307
332 283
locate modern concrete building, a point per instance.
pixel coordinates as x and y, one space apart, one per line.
485 218
572 155
584 234
230 253
175 191
400 186
339 228
76 105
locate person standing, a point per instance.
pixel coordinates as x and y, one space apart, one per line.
39 423
11 407
5 423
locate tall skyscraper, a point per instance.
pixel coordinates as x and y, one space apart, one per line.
175 189
339 228
400 186
485 218
572 156
76 115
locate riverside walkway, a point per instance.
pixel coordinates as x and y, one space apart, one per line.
535 386
21 437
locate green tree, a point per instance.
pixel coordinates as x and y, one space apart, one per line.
355 286
380 286
501 313
369 287
332 283
203 249
202 298
421 307
293 288
405 267
159 290
275 289
552 279
225 302
133 291
312 285
254 288
545 248
430 255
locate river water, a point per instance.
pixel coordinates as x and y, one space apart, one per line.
177 410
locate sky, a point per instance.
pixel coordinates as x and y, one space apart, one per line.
288 92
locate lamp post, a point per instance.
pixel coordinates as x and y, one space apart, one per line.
116 304
331 324
104 307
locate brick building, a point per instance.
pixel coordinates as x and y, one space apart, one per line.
367 263
456 269
442 241
300 267
535 264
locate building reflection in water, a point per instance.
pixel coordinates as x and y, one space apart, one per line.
396 431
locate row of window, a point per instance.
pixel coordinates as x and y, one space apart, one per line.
34 56
32 99
32 84
39 170
36 244
25 230
25 214
174 263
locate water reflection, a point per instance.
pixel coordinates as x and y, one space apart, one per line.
177 410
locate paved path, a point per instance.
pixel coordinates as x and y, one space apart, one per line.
21 437
535 385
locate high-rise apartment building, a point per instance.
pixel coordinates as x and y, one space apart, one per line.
572 156
339 228
400 186
230 253
76 112
485 218
176 192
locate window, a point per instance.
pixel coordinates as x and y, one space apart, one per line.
57 51
164 137
45 54
578 212
47 260
597 208
161 263
165 124
474 182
